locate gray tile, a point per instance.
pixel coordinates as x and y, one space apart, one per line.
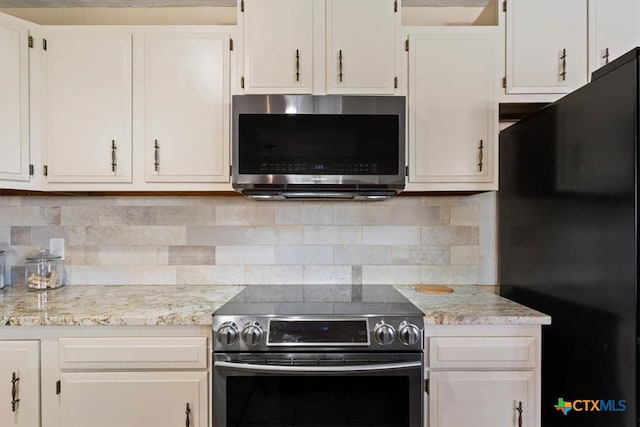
192 255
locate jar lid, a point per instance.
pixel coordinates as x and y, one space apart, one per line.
43 255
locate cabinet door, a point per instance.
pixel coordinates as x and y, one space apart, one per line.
134 399
14 100
87 106
481 398
20 383
614 29
453 109
546 46
186 107
361 42
278 46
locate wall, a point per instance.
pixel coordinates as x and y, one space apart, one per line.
232 240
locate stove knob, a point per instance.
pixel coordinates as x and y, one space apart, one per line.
252 333
227 333
384 333
408 333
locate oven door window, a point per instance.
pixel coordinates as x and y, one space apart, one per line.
318 401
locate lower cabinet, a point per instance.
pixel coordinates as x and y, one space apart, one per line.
19 383
483 376
105 376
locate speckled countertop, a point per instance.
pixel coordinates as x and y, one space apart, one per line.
193 305
113 305
472 305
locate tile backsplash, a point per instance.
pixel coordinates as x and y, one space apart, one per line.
232 240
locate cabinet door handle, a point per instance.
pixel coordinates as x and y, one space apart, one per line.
188 412
606 55
297 65
563 57
114 158
340 65
14 392
156 155
480 155
519 409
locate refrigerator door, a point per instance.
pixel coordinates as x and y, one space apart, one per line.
568 245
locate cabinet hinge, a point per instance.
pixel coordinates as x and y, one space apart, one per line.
30 42
426 385
44 44
230 44
406 45
395 6
504 82
45 170
241 5
31 168
504 6
242 82
58 387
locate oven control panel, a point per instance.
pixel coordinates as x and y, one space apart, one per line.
263 333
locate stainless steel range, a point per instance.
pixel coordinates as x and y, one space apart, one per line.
330 355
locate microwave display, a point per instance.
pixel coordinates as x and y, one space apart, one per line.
319 144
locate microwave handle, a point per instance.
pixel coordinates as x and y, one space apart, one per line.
315 369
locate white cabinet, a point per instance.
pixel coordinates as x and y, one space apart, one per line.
278 46
14 100
361 46
87 106
546 46
614 29
20 383
453 109
483 375
186 106
319 46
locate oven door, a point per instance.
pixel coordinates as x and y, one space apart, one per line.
311 389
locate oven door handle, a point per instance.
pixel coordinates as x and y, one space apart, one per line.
315 369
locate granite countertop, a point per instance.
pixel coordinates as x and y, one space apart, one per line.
121 305
193 305
472 305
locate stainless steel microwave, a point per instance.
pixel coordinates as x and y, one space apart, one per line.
318 146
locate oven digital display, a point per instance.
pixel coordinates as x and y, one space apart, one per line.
318 332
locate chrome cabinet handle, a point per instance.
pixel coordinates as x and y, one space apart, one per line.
606 55
156 155
563 74
114 159
519 409
480 155
340 65
188 412
14 392
297 65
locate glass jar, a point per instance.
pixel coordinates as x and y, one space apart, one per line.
43 271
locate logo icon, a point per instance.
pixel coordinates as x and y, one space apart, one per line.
563 406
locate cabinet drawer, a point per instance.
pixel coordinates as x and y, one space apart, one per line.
482 352
133 353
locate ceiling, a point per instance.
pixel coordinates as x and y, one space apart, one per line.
202 3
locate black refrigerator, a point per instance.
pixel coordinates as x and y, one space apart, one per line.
568 243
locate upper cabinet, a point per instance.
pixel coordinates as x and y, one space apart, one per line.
361 46
453 110
14 99
186 86
319 46
546 45
278 46
614 29
87 106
